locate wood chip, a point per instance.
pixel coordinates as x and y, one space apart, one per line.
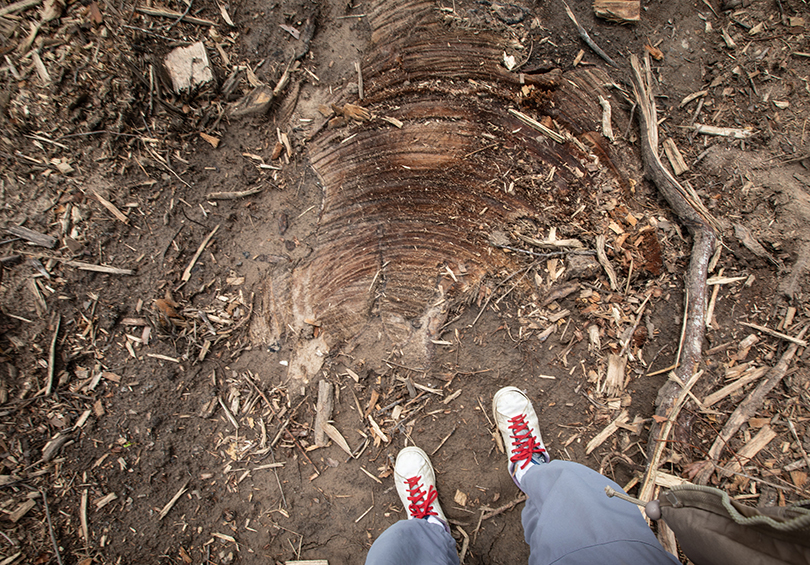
460 498
537 125
675 158
609 430
213 140
323 412
16 515
105 500
620 11
33 237
112 208
749 450
377 431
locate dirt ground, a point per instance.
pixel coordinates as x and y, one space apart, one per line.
141 420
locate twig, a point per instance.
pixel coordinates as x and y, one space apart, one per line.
798 442
799 342
465 545
234 195
303 451
200 249
228 414
163 13
170 504
359 80
444 440
587 38
50 527
83 519
52 356
489 298
508 506
177 21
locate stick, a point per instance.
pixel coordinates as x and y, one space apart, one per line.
444 440
200 249
163 13
50 527
97 268
504 508
234 195
797 341
174 499
83 518
52 356
587 38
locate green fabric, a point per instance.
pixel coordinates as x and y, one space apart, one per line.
713 529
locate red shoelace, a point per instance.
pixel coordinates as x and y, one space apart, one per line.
420 506
524 441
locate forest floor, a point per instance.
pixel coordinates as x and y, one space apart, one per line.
140 421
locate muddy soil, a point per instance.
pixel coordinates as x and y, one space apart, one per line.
172 436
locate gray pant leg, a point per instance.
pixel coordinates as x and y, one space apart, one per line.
568 519
413 542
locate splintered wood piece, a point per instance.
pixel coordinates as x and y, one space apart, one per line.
675 158
22 510
189 67
614 382
774 333
308 562
730 389
235 194
736 133
112 208
377 431
620 11
337 437
609 430
749 450
323 413
32 236
603 260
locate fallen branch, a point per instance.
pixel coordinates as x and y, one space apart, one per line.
704 228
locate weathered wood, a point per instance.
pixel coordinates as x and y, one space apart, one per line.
33 236
323 412
621 11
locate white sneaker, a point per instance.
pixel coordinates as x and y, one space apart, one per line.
416 484
517 422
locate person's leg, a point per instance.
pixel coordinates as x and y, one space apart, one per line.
568 518
424 538
413 542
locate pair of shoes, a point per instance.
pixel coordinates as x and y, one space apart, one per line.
517 422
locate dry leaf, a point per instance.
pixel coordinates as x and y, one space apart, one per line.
214 141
